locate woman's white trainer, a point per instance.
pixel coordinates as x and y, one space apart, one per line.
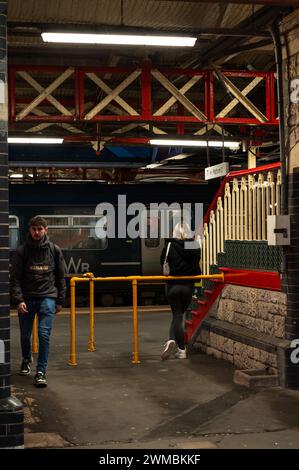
181 354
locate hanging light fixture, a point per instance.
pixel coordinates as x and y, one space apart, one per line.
120 39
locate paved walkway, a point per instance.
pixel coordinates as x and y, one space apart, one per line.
108 402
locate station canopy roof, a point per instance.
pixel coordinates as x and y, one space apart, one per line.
92 112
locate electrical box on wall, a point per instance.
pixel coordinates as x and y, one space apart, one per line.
278 229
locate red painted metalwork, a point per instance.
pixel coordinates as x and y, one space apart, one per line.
180 127
198 315
251 278
81 95
248 121
239 277
246 73
77 94
48 118
146 91
251 171
112 140
237 174
145 83
209 97
11 94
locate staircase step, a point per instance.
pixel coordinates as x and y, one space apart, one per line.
195 313
189 322
216 281
208 292
202 302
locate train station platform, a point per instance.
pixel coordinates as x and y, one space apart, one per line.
106 402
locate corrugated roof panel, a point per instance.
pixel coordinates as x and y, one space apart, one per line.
183 15
65 11
234 14
138 13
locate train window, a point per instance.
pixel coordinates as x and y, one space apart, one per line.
80 233
85 239
13 232
85 221
57 220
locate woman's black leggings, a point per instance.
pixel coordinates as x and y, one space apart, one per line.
179 297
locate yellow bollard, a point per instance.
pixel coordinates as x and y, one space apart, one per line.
73 357
135 323
91 316
34 336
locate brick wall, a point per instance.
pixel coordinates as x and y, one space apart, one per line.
11 412
290 35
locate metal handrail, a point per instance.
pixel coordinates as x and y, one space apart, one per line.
89 278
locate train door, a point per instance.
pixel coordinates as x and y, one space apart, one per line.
159 226
14 232
151 244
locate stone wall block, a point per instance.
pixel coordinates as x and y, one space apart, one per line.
279 326
246 321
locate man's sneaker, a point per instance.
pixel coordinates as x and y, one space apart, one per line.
40 379
169 349
180 354
25 367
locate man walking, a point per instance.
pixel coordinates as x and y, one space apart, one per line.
37 287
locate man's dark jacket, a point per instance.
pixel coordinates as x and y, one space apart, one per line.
38 271
183 259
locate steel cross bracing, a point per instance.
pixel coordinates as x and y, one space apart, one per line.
143 96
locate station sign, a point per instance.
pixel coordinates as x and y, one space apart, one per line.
216 171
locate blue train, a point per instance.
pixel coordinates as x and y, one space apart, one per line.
73 217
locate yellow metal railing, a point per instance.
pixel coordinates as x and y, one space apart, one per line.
88 278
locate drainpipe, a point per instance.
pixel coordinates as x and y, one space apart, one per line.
282 143
278 55
288 365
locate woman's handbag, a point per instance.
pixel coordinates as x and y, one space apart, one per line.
166 267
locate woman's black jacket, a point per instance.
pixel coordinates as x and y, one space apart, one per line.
183 258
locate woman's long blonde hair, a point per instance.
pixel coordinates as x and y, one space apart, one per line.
182 231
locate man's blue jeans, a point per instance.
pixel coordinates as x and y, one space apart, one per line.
45 309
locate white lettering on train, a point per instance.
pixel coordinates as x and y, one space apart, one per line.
76 268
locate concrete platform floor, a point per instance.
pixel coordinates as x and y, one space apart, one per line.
108 402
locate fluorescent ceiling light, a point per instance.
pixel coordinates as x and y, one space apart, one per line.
34 140
16 175
152 165
195 143
20 175
181 156
123 39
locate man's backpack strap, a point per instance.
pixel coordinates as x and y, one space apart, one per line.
55 253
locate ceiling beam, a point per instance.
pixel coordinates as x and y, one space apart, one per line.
18 28
258 20
242 2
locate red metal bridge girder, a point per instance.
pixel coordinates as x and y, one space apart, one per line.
200 113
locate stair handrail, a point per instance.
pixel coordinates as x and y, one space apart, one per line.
236 174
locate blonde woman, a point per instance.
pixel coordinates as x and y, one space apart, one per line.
183 260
